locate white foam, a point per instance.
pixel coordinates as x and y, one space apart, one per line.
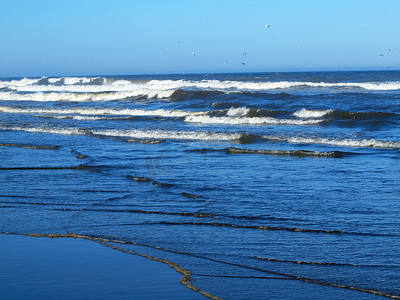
305 113
102 111
336 142
93 89
79 84
75 80
63 131
18 83
137 134
269 85
248 121
82 118
173 134
54 80
237 112
84 97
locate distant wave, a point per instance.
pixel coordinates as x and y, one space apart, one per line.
20 82
96 85
56 81
270 85
84 118
102 111
75 80
84 97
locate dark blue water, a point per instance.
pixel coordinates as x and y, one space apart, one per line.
272 185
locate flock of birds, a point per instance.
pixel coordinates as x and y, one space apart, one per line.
388 52
244 53
298 45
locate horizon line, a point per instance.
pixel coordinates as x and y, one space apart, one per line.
205 73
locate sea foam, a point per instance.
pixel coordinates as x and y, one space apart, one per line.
137 134
238 112
103 111
248 121
94 84
84 97
364 143
305 113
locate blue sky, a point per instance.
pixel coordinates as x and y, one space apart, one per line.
48 38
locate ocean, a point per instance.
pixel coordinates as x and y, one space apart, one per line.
261 185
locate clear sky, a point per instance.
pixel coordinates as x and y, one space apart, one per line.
97 37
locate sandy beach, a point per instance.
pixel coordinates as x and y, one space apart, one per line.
67 268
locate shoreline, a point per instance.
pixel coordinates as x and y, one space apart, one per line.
48 268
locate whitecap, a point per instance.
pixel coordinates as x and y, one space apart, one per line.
305 113
84 97
79 84
237 112
368 143
248 121
102 111
137 134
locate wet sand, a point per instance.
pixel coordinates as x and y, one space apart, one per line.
44 268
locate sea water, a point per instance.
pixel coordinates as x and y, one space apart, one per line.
267 185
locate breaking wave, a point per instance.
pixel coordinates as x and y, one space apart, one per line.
160 87
84 97
135 134
233 86
298 153
231 116
249 121
84 118
238 112
305 113
214 136
364 143
344 115
103 111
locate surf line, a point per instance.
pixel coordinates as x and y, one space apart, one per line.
292 229
288 276
187 274
187 283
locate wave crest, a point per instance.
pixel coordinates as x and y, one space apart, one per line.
102 111
103 84
135 134
298 153
364 143
307 114
248 121
84 97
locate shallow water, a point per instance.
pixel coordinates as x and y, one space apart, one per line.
43 268
240 178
